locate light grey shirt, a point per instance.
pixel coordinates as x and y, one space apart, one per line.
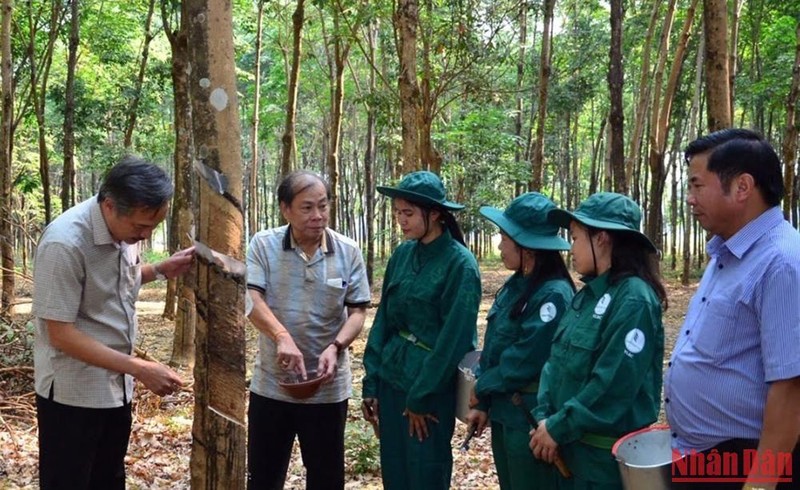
82 276
309 296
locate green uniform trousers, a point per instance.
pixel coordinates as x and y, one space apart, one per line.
407 463
517 469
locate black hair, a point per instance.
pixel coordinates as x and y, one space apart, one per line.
446 218
736 151
548 265
136 183
631 257
298 181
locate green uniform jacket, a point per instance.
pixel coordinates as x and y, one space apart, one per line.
432 291
603 377
515 350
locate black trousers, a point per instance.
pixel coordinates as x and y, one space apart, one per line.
272 427
739 447
82 448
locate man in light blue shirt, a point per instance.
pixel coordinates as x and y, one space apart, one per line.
733 382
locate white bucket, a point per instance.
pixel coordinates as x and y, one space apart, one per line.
645 459
466 382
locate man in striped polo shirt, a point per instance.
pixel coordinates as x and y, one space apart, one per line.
733 384
86 280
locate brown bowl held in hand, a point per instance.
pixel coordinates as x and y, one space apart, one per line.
297 388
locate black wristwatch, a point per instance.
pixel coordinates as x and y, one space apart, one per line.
338 345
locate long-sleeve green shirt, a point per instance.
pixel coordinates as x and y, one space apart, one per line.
432 291
603 377
515 350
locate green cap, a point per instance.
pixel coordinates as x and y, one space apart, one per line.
421 187
525 222
605 211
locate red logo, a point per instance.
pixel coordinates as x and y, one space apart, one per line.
730 467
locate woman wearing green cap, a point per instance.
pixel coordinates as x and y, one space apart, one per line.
603 377
423 327
520 329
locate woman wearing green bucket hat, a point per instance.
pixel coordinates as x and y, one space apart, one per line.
424 325
603 377
520 328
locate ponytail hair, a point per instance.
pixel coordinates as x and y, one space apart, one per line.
449 222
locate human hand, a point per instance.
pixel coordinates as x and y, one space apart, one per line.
369 408
177 264
479 419
327 363
542 445
290 358
418 424
473 398
157 377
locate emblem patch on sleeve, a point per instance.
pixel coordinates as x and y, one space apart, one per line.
634 341
547 312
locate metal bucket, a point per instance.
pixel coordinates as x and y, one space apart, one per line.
645 459
467 374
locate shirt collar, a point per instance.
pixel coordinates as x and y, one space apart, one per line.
326 243
437 245
748 235
597 285
100 231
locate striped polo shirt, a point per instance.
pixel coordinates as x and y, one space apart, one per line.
309 296
82 276
741 332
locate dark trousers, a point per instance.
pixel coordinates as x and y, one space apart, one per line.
82 448
738 447
272 427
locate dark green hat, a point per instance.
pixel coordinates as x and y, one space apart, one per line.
421 187
605 211
525 222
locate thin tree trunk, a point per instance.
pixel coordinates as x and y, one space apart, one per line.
693 133
715 16
6 143
523 38
340 53
369 158
289 155
68 175
137 91
252 208
733 53
219 435
790 134
643 95
616 114
406 19
544 79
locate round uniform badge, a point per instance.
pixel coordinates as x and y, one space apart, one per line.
547 312
634 341
602 304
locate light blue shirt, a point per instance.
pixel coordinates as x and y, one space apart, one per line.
741 332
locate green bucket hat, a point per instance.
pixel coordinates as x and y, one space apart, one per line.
525 222
605 211
421 187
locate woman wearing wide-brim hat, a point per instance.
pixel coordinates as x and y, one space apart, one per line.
424 325
520 327
603 377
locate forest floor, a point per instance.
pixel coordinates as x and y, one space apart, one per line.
160 445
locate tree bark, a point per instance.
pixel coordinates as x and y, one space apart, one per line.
137 91
406 20
180 293
218 445
341 50
544 80
523 38
6 142
616 113
790 134
715 16
733 54
289 155
68 175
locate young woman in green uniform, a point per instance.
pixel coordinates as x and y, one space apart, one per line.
424 325
520 329
603 377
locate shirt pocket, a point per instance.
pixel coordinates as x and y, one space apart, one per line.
720 335
581 348
330 302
